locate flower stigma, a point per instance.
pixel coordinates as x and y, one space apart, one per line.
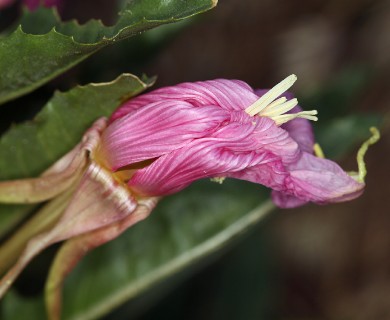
272 106
362 171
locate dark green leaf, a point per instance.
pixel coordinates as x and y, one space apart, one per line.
43 47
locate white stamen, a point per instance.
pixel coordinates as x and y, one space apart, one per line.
283 118
274 104
269 105
280 109
271 95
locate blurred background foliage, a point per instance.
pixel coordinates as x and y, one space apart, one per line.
315 262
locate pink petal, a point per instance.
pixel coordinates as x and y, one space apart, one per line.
284 200
76 248
231 149
301 131
227 94
157 129
318 180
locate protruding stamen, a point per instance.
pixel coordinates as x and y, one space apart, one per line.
279 109
283 118
274 104
269 105
271 95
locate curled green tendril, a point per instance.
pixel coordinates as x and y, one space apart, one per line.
362 151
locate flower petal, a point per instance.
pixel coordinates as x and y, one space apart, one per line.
301 131
74 249
284 200
227 94
233 148
318 180
157 129
99 200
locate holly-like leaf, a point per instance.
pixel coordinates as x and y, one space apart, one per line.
42 47
181 231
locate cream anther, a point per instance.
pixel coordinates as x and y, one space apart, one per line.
269 105
271 95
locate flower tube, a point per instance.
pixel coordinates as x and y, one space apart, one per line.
223 128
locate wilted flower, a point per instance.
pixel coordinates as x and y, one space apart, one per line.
157 144
222 128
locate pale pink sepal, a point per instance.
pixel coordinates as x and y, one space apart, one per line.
58 178
74 249
98 201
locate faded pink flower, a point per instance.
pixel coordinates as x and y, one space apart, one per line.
157 144
222 128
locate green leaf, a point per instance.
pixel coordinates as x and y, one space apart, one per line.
42 47
28 149
181 231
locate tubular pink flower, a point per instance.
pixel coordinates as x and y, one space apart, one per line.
222 128
157 144
156 129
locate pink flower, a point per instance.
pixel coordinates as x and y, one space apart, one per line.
157 144
222 128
